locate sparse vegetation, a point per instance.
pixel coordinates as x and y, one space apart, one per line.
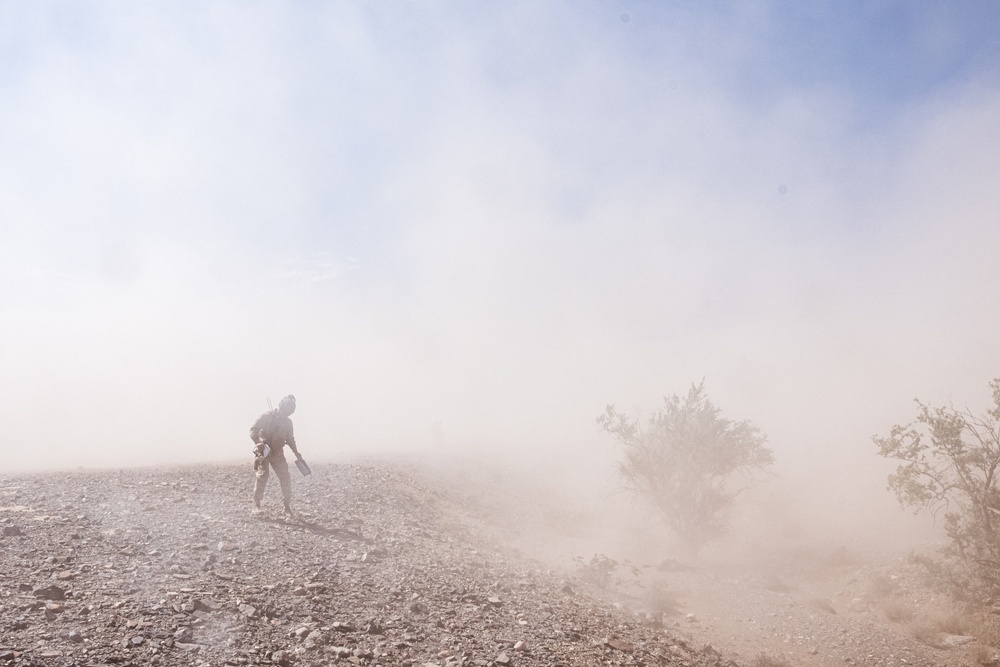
943 576
984 655
930 627
950 460
598 570
684 462
987 631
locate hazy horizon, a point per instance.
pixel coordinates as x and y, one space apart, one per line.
468 228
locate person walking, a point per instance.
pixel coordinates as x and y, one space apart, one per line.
270 433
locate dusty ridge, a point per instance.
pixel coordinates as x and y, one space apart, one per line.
167 567
801 601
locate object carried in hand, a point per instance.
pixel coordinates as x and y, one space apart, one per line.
303 467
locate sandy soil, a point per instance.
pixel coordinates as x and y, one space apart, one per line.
407 563
803 599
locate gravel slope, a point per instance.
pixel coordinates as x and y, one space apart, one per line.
167 567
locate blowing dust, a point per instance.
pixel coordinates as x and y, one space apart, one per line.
569 510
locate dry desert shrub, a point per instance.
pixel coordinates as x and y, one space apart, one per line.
929 628
599 571
942 576
897 610
947 463
987 631
984 655
766 660
952 622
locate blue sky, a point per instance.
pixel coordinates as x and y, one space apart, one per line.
496 216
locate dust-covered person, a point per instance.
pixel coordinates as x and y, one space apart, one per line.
270 433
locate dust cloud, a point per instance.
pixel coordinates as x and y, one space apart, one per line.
465 258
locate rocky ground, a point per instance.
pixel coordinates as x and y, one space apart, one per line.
168 567
390 565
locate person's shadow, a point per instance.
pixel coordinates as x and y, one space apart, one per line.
315 527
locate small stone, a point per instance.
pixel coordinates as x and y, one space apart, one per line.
248 610
12 531
619 645
314 639
691 618
495 601
50 593
520 646
343 627
206 604
226 546
502 659
135 641
958 640
75 637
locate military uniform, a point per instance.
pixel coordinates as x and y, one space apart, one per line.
273 429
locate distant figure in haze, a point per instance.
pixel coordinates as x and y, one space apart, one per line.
270 433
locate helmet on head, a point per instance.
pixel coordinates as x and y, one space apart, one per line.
287 405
